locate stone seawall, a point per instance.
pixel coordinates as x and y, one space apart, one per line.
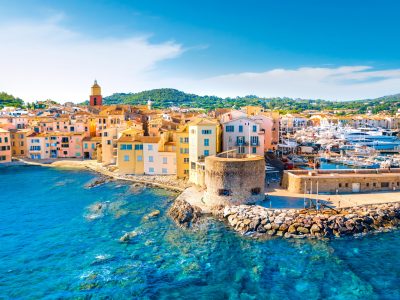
291 223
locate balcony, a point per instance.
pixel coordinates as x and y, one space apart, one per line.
255 143
241 143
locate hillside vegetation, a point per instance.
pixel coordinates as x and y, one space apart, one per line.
163 98
10 100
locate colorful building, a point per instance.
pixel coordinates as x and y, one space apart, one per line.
182 152
5 146
204 140
130 158
19 145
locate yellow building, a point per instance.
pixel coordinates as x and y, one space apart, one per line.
252 110
182 152
130 155
19 142
204 140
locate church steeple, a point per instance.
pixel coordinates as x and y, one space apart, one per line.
95 97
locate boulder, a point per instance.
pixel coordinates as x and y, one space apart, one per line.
302 230
128 236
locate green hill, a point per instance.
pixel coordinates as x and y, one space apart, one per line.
10 100
163 98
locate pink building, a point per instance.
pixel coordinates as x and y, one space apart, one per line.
5 146
267 126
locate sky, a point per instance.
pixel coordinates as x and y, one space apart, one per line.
334 50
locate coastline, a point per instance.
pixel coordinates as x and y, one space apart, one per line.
165 182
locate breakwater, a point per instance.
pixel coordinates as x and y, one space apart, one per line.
291 223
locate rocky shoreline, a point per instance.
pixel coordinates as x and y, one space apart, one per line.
258 221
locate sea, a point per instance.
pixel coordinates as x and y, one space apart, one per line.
55 243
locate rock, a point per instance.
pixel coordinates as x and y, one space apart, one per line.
184 214
315 228
271 232
292 229
128 236
268 226
154 213
302 230
283 227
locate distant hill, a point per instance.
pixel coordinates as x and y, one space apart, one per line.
170 97
10 100
163 98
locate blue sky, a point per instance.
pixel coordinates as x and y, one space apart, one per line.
319 49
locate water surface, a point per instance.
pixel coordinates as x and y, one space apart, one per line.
55 244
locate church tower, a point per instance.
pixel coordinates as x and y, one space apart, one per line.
95 97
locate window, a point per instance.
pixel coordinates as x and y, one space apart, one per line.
86 145
240 128
139 147
108 142
186 160
184 150
230 128
151 170
224 192
151 159
346 185
385 184
93 146
254 150
2 157
241 150
255 191
64 140
254 140
105 133
340 185
150 147
6 140
206 131
193 166
254 128
140 158
185 172
164 170
165 160
206 142
126 157
206 152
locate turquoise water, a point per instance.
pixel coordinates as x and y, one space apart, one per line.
54 246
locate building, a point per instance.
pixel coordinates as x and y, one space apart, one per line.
5 146
234 179
19 144
96 99
341 181
182 152
130 158
90 145
204 140
244 135
159 155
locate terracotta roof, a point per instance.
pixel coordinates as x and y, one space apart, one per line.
150 139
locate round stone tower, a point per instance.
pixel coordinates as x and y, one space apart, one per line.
234 179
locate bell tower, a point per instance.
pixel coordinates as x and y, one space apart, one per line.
95 97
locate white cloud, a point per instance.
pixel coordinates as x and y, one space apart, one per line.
41 60
341 83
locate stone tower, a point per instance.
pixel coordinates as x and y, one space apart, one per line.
95 97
